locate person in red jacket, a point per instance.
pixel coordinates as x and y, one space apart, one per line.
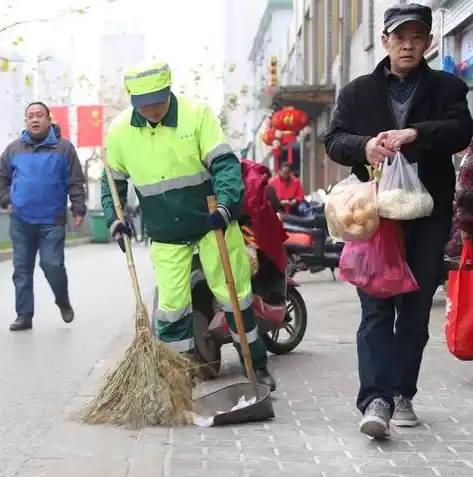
288 190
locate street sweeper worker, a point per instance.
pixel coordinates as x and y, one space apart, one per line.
174 151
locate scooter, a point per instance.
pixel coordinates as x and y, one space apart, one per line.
311 249
309 246
277 304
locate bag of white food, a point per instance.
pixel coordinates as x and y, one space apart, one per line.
401 194
350 209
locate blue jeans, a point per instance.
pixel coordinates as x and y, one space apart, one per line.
390 349
27 241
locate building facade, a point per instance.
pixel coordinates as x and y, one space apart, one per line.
267 43
330 42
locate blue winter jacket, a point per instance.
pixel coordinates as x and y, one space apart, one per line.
36 178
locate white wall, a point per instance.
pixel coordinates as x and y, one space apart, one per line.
274 41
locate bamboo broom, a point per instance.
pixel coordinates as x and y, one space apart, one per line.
152 384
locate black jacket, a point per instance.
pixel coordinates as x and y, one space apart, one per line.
438 111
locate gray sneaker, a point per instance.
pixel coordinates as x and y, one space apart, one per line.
375 422
404 415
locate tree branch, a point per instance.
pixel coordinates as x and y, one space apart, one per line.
56 17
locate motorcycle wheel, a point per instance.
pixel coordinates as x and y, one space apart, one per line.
295 323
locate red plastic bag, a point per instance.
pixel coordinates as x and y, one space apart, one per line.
377 266
459 312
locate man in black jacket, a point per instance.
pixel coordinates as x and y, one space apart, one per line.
403 105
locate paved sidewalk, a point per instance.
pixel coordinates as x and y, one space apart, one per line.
315 432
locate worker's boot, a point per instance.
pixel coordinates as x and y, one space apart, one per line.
264 377
22 322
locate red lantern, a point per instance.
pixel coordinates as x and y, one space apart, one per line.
269 136
289 119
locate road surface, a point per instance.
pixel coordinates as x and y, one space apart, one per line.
54 369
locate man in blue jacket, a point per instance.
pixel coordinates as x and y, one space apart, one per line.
38 172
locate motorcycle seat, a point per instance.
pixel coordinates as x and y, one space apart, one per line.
318 221
308 222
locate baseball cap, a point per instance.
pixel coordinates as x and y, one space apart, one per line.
396 16
148 83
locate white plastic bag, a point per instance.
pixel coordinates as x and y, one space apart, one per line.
401 194
253 256
350 209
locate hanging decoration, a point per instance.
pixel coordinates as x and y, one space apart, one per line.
289 122
284 128
269 136
289 119
288 139
277 153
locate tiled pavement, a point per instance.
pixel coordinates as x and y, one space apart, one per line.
315 430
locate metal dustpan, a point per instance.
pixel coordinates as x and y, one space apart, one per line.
216 408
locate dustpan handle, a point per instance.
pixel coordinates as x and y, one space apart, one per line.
120 216
245 347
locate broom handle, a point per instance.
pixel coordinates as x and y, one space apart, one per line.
245 348
128 251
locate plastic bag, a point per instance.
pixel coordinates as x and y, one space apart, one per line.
401 194
459 312
350 209
376 266
253 256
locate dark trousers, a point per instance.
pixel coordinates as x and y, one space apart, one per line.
390 349
27 241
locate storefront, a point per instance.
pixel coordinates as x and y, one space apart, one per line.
457 27
466 60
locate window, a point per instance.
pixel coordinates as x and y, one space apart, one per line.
335 32
356 16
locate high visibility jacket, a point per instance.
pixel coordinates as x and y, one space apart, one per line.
174 167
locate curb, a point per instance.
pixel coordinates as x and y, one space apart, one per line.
7 254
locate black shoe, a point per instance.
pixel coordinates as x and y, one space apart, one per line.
263 376
375 422
67 313
22 322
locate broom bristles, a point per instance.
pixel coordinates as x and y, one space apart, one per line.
151 385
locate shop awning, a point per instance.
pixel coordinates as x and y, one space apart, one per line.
312 99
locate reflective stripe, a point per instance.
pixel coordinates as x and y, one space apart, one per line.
172 316
251 336
176 183
182 346
119 176
144 74
244 304
215 152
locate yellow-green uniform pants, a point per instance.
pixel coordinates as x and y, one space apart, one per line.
172 316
